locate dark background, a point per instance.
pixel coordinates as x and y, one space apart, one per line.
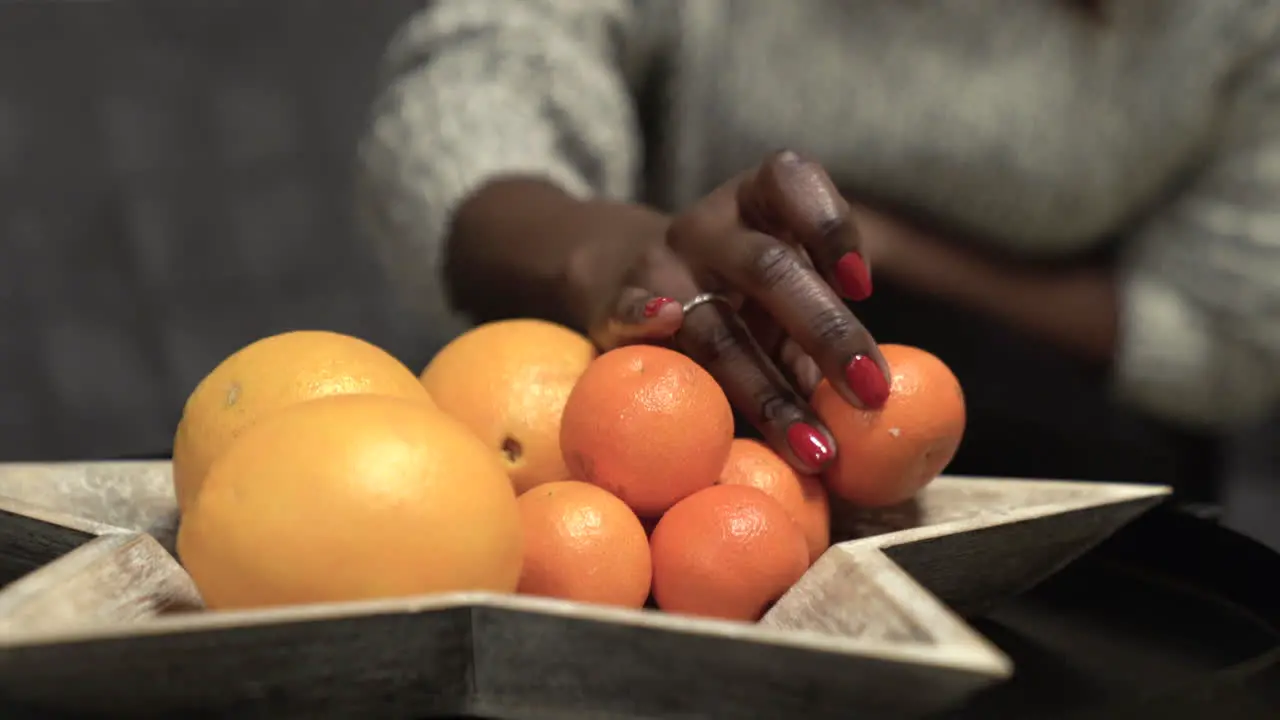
175 183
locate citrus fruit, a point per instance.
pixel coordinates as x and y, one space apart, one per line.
728 551
270 374
804 498
886 456
508 381
582 543
351 497
648 425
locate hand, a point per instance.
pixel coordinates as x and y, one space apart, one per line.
773 242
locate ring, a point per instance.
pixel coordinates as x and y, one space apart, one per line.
703 298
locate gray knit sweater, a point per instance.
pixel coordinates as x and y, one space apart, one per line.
1019 121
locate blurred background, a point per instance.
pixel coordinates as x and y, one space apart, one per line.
178 172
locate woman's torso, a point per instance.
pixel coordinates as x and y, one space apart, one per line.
1029 124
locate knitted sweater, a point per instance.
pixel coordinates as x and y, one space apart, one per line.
1025 123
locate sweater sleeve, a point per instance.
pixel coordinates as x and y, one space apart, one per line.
475 90
1200 297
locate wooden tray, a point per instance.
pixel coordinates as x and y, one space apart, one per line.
98 617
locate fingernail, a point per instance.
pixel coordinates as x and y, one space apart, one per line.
654 306
867 382
853 277
788 157
808 445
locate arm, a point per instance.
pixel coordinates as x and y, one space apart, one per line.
1076 310
1191 320
479 90
1200 288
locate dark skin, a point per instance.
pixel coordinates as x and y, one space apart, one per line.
1075 309
782 245
776 242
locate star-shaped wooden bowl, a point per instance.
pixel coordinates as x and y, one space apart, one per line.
97 616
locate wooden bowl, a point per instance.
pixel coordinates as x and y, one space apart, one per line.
97 616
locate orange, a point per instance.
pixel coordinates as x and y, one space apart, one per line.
648 425
581 543
347 498
804 498
270 374
508 381
887 456
728 551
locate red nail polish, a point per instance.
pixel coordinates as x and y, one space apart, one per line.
867 382
853 277
809 446
654 306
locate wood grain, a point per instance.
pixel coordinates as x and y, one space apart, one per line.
135 496
500 656
974 542
31 537
874 629
661 666
399 663
113 579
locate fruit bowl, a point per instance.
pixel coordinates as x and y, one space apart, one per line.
96 616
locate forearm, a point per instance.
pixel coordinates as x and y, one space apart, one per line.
1076 310
1189 320
1186 326
479 92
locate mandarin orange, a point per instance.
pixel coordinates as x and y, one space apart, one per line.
804 498
647 424
728 551
582 543
885 457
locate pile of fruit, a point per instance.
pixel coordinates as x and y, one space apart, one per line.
315 467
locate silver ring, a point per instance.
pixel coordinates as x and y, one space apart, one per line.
703 298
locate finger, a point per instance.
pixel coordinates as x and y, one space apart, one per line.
720 343
775 276
639 316
804 371
767 332
799 369
794 199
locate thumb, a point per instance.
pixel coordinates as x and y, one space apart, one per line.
639 316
